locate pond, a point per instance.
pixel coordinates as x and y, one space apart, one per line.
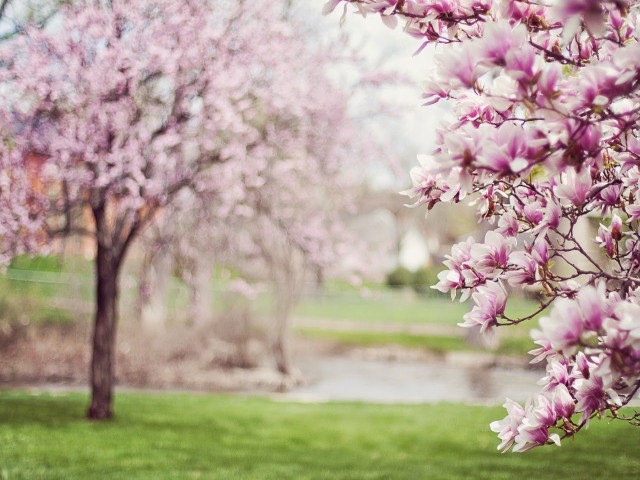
343 378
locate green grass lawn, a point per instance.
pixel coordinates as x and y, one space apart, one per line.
175 436
47 290
395 306
405 308
517 345
47 282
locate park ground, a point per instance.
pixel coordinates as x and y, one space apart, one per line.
256 434
205 436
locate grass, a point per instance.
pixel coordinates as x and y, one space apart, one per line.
509 345
406 308
44 290
173 436
47 290
395 306
26 309
52 280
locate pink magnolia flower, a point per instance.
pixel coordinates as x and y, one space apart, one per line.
433 92
461 65
543 351
551 218
524 269
616 227
534 429
508 225
608 198
425 181
490 301
548 81
574 186
605 240
540 251
474 111
507 428
563 328
449 281
591 395
523 64
563 403
500 39
533 212
582 367
510 149
629 315
634 212
591 303
492 254
589 140
457 262
591 10
460 253
557 373
464 148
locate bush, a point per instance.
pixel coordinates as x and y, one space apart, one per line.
423 279
400 277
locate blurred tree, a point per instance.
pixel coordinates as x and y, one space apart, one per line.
118 107
289 218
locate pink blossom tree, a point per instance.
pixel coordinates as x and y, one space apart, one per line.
122 106
289 218
547 104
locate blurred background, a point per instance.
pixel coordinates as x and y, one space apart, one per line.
291 274
322 300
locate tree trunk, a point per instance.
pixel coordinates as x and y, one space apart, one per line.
281 351
104 333
284 304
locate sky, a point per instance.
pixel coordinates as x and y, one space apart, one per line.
413 129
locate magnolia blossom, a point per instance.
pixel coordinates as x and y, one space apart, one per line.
544 140
564 326
574 186
490 301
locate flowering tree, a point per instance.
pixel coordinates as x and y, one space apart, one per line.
291 216
287 214
547 100
117 109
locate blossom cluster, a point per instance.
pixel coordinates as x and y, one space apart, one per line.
591 344
545 144
122 106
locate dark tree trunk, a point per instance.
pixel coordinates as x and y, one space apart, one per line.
104 334
111 247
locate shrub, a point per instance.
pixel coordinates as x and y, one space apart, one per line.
400 277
